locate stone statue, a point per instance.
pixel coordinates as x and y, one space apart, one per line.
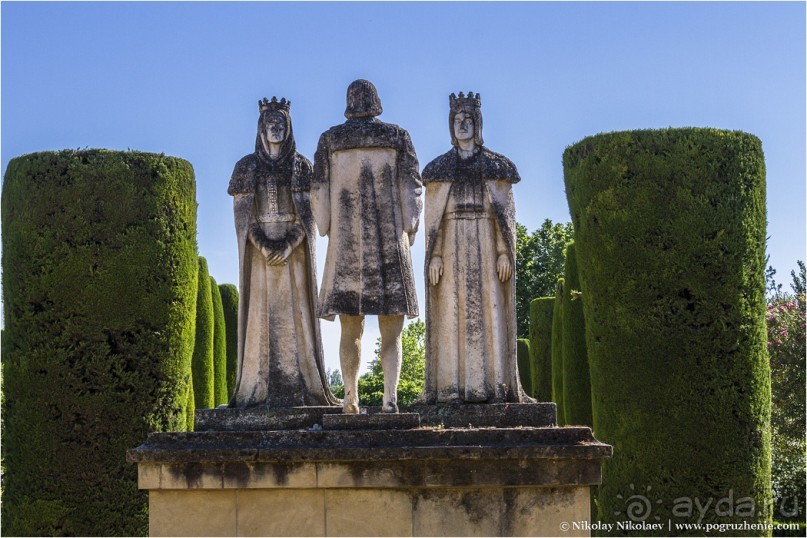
470 257
279 346
366 198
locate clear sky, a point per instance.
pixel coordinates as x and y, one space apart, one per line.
184 79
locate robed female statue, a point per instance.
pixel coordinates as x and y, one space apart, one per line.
280 361
470 258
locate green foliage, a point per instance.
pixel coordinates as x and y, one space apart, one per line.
541 311
670 238
557 352
413 369
229 301
190 405
202 365
99 284
219 346
576 384
523 356
786 347
539 264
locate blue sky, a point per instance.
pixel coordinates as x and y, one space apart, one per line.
184 79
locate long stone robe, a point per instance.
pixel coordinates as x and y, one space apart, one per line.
280 361
470 313
366 198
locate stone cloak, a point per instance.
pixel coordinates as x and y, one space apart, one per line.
243 187
366 198
497 174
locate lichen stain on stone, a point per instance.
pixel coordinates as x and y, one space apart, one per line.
192 473
240 472
281 470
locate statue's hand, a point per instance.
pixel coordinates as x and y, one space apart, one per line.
278 257
504 267
435 270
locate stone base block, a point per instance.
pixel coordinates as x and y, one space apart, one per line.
525 511
376 421
504 415
416 482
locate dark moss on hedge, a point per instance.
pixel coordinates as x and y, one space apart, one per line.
670 236
524 364
541 310
229 301
219 346
203 365
99 289
557 352
576 384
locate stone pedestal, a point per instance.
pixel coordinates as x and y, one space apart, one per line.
400 481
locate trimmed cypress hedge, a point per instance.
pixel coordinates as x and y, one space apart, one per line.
190 405
670 235
541 310
99 285
202 365
557 352
219 346
524 364
229 301
576 385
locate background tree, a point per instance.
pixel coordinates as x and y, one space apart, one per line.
786 347
202 362
229 302
413 369
219 346
99 294
539 265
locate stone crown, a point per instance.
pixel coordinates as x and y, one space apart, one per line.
463 102
273 105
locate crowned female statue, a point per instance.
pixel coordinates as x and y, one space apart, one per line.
280 360
470 256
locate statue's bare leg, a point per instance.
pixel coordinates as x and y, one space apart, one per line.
390 327
350 359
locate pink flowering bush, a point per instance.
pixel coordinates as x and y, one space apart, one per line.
786 347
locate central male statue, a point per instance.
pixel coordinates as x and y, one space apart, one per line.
366 198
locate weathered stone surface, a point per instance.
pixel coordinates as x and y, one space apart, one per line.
510 415
280 361
422 443
375 421
261 418
365 197
195 513
470 258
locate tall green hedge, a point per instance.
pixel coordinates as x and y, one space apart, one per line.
670 236
576 385
541 310
229 301
203 364
219 346
557 352
99 289
524 364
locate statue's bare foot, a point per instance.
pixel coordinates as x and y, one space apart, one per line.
350 408
389 407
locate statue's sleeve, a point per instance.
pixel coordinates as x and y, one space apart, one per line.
410 186
321 187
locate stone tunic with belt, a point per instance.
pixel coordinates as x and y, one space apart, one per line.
470 313
366 198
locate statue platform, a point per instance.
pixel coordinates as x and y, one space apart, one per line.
373 474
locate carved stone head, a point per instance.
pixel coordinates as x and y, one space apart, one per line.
274 125
471 106
362 100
